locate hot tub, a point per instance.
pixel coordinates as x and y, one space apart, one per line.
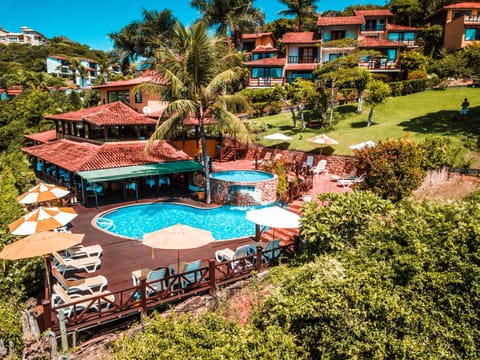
243 187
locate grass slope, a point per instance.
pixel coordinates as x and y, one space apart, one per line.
417 116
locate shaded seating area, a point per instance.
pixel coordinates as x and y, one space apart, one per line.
74 285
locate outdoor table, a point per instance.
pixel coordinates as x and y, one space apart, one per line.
137 274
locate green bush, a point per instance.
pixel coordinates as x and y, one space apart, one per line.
392 169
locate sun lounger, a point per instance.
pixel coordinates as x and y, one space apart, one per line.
83 251
241 253
77 302
191 273
156 281
90 284
88 264
271 250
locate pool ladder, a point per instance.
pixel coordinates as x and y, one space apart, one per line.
106 224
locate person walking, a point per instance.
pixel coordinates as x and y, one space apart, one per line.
465 105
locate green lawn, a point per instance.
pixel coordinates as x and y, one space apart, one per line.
434 112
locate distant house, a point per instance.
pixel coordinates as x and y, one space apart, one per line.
27 36
461 24
61 66
265 66
122 90
302 53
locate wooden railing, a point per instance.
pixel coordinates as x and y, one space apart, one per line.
102 309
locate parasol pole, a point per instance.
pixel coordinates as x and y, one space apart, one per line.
48 270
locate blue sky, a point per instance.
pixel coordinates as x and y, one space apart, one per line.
90 22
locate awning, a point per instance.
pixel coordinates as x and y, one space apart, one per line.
129 172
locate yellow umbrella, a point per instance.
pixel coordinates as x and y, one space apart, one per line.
41 193
42 219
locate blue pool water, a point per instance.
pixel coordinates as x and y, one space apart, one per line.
133 221
242 175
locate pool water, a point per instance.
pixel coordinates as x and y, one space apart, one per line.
242 175
133 221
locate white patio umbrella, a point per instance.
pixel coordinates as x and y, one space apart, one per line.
42 219
274 217
323 139
362 145
277 137
42 193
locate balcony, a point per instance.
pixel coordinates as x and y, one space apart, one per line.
303 60
377 27
472 19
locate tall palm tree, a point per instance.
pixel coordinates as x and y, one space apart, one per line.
198 72
300 9
233 15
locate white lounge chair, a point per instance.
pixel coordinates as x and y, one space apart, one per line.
88 264
72 285
78 303
308 163
320 168
83 251
239 254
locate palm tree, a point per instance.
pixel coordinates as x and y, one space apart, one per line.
238 16
198 71
300 9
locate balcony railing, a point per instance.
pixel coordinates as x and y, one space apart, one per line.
475 19
378 27
303 60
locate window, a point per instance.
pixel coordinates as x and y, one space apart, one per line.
472 34
338 34
266 72
138 98
119 95
457 14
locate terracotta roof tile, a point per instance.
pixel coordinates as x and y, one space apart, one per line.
256 36
340 20
43 137
463 5
146 77
79 156
380 43
375 12
395 27
266 62
299 37
264 48
112 155
67 154
116 113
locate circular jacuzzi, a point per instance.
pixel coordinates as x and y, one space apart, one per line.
243 187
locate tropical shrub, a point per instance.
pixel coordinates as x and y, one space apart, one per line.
392 169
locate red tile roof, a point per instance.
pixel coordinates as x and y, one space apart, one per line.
376 12
256 36
299 37
146 77
264 48
43 137
395 27
301 66
65 153
116 113
112 155
80 156
266 62
463 5
380 43
340 20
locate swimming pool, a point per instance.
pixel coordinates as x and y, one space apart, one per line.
243 187
226 222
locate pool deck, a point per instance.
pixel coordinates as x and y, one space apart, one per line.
122 256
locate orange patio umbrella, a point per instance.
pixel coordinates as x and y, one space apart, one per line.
41 193
42 219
